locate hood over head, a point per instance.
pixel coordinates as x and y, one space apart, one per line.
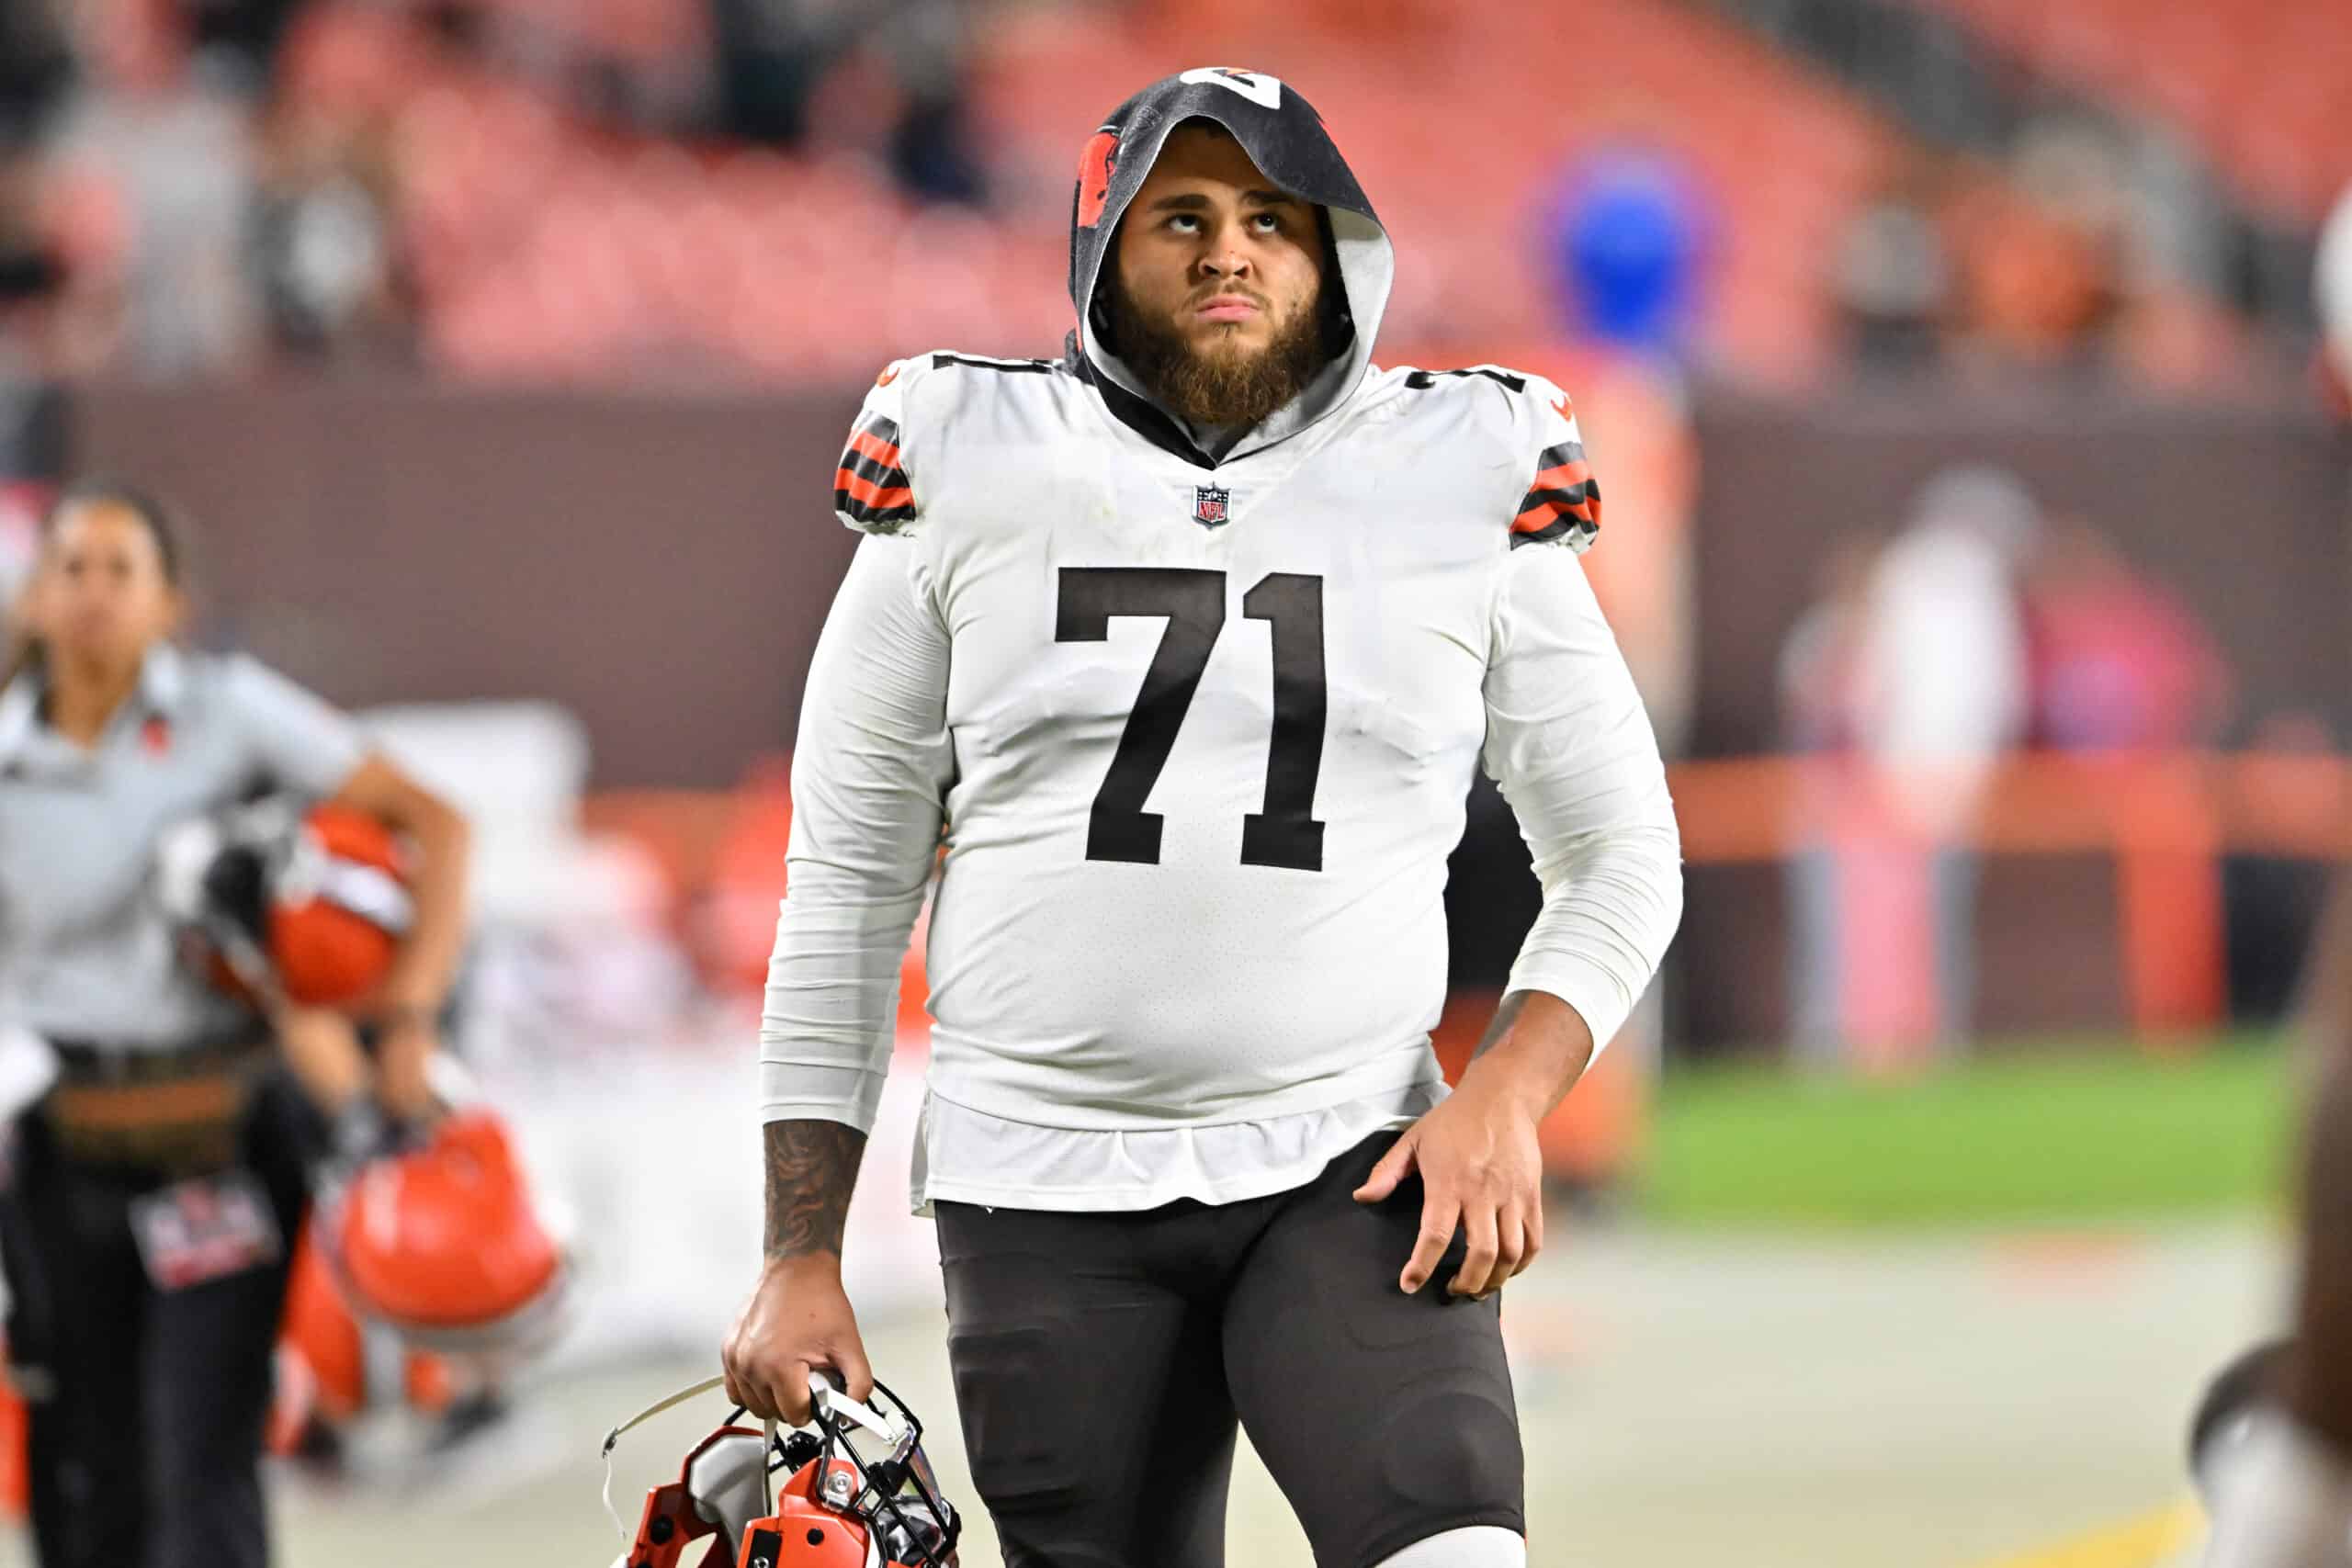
1285 138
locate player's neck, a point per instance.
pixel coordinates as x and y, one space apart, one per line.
82 698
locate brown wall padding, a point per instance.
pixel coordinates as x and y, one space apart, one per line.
659 565
662 564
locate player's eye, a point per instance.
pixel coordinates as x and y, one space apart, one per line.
1268 222
1184 223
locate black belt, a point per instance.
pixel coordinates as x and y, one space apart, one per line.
93 1061
172 1109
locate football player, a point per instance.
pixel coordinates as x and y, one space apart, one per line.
2272 1443
2278 1471
1191 639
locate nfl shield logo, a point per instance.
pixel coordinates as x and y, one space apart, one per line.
1208 505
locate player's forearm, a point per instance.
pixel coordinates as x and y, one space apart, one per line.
323 1051
869 772
428 961
421 975
829 1021
1537 1048
2318 1369
1611 902
1569 743
2326 1004
811 1171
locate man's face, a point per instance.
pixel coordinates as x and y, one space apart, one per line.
1218 276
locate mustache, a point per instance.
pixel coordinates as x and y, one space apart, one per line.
1230 291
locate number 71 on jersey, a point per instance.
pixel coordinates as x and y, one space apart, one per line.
1192 599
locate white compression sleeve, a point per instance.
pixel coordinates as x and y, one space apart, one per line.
1571 746
869 772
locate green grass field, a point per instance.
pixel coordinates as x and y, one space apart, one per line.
2069 1135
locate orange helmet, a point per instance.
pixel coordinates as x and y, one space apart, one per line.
333 1367
859 1493
445 1244
311 903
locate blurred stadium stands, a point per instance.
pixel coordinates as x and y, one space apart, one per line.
2258 86
550 192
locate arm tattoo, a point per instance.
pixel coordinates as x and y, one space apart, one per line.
812 1166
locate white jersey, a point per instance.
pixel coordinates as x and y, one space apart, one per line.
1201 740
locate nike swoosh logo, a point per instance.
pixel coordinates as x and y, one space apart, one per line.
1562 407
886 377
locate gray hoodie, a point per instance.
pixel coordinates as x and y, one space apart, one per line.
1285 138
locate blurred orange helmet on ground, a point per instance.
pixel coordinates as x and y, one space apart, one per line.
328 1368
446 1243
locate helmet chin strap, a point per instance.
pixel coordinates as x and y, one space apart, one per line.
767 1476
613 1437
825 1399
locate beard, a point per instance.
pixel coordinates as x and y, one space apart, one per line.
1225 385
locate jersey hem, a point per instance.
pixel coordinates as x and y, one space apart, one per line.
1415 1067
1257 1184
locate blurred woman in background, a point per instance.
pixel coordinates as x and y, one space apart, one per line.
158 1185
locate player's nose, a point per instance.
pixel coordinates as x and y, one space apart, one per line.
1223 263
1224 257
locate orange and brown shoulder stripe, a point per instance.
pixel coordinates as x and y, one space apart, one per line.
1564 500
871 485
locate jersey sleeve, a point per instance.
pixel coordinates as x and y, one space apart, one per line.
874 489
870 772
302 741
1561 503
1571 747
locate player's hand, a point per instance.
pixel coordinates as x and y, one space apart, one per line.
1482 1171
798 1321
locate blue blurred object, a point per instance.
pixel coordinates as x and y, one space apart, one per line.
1625 237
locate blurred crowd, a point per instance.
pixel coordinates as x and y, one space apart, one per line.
211 187
1981 625
2156 173
1981 629
791 189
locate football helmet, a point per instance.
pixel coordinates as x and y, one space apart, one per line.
277 899
446 1243
858 1492
336 1367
